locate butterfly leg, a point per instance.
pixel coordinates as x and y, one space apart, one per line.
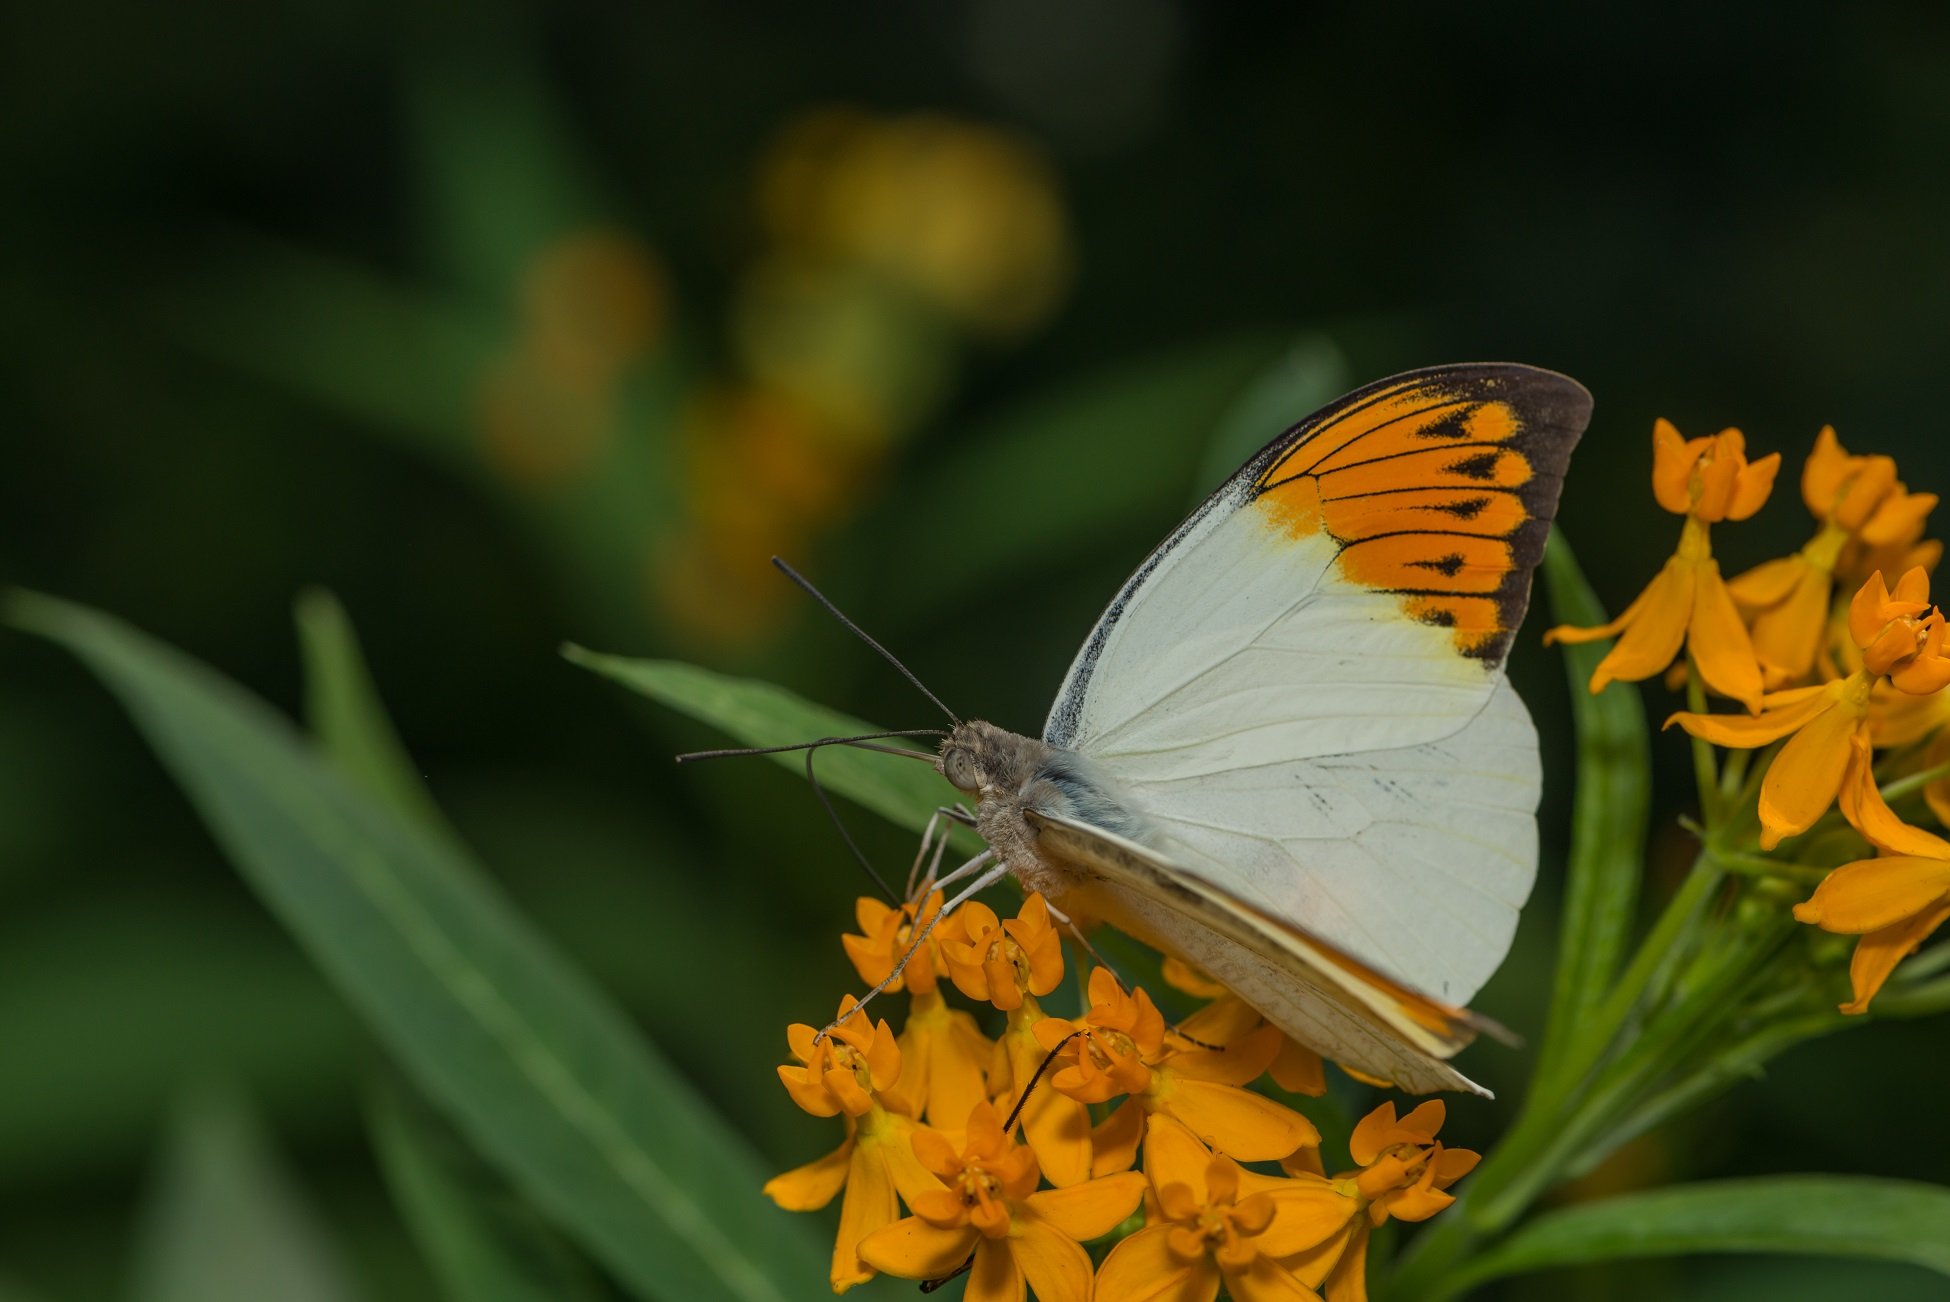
1076 933
917 892
988 874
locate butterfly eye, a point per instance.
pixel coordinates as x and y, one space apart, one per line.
959 768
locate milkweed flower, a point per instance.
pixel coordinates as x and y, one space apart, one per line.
1893 903
1828 748
1121 1047
849 1072
1406 1171
1227 1018
1218 1223
943 1050
987 1207
1009 964
1707 480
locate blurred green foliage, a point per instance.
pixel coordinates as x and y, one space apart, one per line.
483 321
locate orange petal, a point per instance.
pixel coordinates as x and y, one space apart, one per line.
1114 1141
1878 952
1741 732
1767 584
1057 1266
914 1249
1306 1214
1093 1208
1871 894
1143 1268
1721 648
869 1205
1673 459
1244 1125
1241 1062
1658 628
1899 518
810 1187
1862 804
1173 1155
1787 635
1265 1280
1753 485
1804 778
996 1276
1055 1125
1299 1070
1822 473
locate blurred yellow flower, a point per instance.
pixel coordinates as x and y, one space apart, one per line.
1707 480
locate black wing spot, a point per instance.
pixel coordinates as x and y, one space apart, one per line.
1448 567
1467 509
1480 466
1440 616
1454 425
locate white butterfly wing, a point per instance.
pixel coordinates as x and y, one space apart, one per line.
1302 689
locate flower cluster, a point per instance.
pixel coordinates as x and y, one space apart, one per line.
1011 1154
1840 662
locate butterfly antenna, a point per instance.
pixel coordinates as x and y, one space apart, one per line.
861 633
858 742
840 827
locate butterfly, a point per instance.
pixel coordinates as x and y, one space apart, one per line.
1287 753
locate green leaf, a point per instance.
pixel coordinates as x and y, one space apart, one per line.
346 716
483 1243
1311 373
1608 822
226 1224
540 1071
1819 1215
755 713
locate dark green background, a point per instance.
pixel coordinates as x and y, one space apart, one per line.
1730 218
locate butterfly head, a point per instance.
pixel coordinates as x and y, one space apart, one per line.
982 759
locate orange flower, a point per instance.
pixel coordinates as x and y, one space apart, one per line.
1828 752
846 1074
943 1048
1218 1223
1893 903
886 933
1860 504
998 962
1009 964
1105 1056
1707 480
1405 1169
1123 1048
988 1208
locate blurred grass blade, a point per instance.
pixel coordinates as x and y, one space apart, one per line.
1836 1216
755 713
1608 822
541 1072
1062 465
345 714
225 1223
1311 373
483 1243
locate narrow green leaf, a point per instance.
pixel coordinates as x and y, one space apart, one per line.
226 1224
1608 823
343 708
754 713
483 1243
540 1071
1817 1215
1308 375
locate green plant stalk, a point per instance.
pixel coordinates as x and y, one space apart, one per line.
1515 1161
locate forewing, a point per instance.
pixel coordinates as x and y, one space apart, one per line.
1322 996
1301 686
